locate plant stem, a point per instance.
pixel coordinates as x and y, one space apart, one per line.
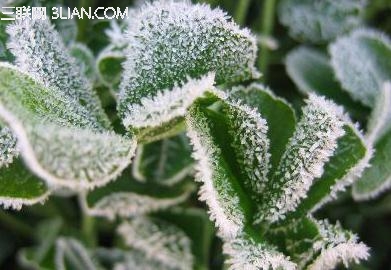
241 11
16 225
88 229
267 22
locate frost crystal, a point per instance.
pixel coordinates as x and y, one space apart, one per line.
129 204
221 198
311 146
8 149
159 241
173 43
39 51
246 254
337 246
252 145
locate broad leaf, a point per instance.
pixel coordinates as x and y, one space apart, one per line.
311 72
165 162
320 21
127 197
148 235
58 140
176 52
361 64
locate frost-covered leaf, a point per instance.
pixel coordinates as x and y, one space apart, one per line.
39 51
278 114
380 120
5 54
317 245
176 52
158 240
347 162
58 140
247 254
377 178
320 21
8 148
231 150
109 66
165 162
127 197
361 62
337 246
197 226
85 59
312 73
19 187
72 255
308 150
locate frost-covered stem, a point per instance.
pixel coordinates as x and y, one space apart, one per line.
13 224
267 24
82 24
88 229
241 11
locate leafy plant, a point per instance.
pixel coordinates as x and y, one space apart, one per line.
174 96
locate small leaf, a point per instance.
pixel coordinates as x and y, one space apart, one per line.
5 54
8 148
127 197
151 235
165 162
177 50
360 63
57 140
309 149
320 21
312 73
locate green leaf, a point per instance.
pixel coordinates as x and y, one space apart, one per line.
176 52
109 66
39 51
309 149
19 187
5 54
312 73
165 162
320 21
377 178
361 64
148 235
339 172
127 197
278 114
58 140
195 223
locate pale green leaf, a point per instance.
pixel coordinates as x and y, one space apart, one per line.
177 51
361 64
320 21
85 59
72 255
